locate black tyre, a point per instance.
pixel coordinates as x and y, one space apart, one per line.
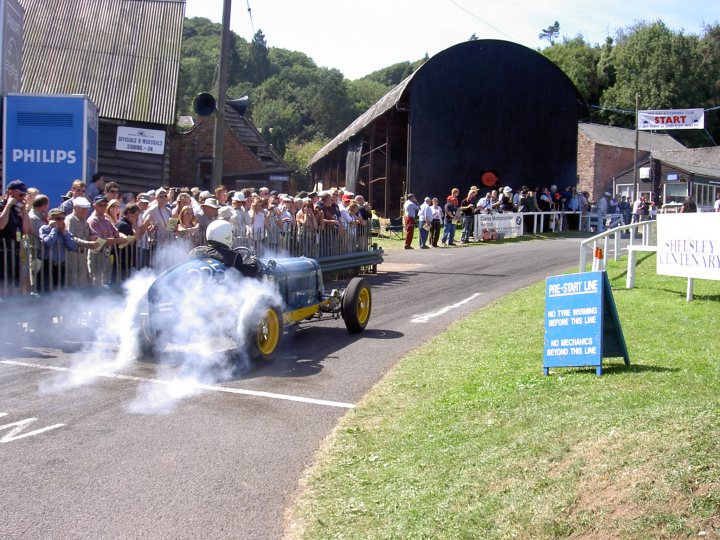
356 305
265 336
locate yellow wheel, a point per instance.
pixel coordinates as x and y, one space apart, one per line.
356 305
268 334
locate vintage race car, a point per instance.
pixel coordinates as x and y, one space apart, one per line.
287 291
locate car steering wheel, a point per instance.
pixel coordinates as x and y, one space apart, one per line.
246 253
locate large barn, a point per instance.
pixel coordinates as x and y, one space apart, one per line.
483 112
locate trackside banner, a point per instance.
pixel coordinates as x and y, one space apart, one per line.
689 245
672 119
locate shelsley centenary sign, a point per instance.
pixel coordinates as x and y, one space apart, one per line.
672 119
689 245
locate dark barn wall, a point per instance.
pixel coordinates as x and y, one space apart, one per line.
491 105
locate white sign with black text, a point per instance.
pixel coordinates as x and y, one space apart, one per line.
135 139
689 245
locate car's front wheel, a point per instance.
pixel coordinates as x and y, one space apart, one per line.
356 305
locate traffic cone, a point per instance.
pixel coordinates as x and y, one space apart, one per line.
598 260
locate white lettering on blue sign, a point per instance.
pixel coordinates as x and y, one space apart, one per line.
43 155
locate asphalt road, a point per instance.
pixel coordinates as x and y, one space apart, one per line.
224 462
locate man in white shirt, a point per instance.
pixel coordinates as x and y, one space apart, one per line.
425 215
410 209
716 206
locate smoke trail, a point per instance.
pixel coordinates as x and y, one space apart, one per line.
199 339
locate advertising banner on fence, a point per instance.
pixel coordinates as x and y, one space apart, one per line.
689 245
506 225
672 119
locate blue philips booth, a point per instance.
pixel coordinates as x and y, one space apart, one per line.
49 141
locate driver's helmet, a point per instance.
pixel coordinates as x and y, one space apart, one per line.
220 231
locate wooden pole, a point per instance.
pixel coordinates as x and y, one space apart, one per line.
218 147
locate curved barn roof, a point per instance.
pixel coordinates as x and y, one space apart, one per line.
394 96
384 104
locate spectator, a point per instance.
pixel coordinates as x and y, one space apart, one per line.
602 211
625 209
127 227
208 213
14 222
241 205
56 239
113 211
364 210
448 238
157 219
688 206
77 189
76 263
410 209
716 206
506 201
112 191
95 187
188 229
424 221
435 222
221 195
467 209
102 228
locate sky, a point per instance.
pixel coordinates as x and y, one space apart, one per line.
363 36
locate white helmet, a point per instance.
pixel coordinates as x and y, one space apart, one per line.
220 231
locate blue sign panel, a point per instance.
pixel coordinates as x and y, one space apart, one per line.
574 321
49 141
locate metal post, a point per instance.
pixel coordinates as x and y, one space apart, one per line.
218 147
636 184
689 295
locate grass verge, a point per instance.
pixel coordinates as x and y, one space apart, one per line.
466 438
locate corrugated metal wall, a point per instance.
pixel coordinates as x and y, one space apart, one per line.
123 54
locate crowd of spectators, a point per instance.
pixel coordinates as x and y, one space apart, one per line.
98 235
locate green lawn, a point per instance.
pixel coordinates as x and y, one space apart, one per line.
466 438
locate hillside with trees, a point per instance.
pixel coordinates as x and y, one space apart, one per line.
299 106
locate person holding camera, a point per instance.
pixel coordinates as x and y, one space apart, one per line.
14 223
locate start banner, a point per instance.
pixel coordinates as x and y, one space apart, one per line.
672 119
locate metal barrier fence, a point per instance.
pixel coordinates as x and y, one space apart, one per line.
641 231
29 266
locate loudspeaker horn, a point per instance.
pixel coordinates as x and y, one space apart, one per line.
239 104
204 104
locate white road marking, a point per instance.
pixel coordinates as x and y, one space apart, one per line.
201 386
425 317
18 426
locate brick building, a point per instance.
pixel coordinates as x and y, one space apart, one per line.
248 160
603 152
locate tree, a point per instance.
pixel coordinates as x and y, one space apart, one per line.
298 156
579 61
657 65
260 68
550 33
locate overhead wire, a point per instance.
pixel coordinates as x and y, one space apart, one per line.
252 25
481 20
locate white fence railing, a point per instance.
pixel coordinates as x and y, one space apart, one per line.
641 233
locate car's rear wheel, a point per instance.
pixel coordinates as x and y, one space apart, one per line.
356 305
265 338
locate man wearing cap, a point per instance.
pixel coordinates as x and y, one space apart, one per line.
102 228
76 266
410 209
14 222
506 201
242 222
157 217
208 213
56 240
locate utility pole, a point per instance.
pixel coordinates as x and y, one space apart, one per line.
218 148
636 183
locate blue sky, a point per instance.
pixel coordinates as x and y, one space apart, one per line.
362 36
